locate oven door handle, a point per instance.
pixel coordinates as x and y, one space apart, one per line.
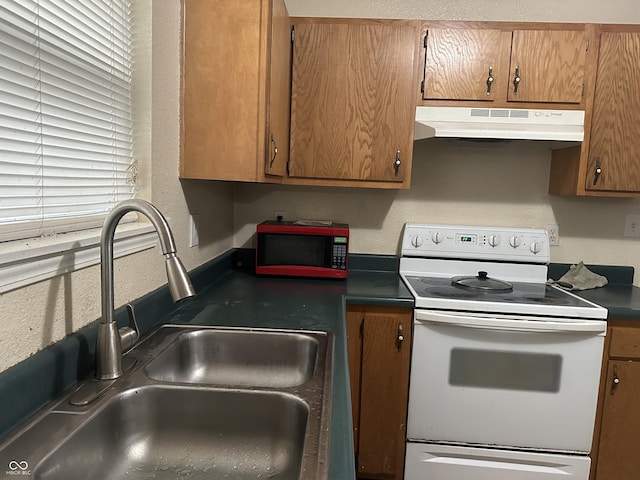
520 325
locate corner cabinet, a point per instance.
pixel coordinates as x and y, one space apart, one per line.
379 345
352 102
504 64
607 162
235 90
616 443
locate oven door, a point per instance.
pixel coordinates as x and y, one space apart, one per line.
523 382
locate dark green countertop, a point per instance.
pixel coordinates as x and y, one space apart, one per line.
619 296
228 294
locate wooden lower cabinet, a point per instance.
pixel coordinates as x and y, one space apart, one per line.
615 455
379 344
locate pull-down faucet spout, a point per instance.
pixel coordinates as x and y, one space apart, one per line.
109 347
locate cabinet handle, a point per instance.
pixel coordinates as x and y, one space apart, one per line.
400 338
489 80
598 171
396 164
616 379
516 81
275 150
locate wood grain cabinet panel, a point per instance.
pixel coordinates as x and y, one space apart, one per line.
550 65
352 102
607 161
615 130
618 457
235 89
614 454
379 368
504 64
465 64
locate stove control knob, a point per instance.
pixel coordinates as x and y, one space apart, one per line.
416 241
494 240
535 247
436 237
515 241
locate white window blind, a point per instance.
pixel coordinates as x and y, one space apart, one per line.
65 114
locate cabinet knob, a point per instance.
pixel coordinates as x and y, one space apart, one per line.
616 379
516 81
489 80
598 170
274 145
396 163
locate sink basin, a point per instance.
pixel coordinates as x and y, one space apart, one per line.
197 402
237 358
165 432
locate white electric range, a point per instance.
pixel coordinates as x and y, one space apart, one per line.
505 368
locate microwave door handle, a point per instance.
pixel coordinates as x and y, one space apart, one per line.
511 324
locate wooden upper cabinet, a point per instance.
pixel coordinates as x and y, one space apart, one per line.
279 91
352 102
235 89
465 64
501 63
614 162
547 66
606 163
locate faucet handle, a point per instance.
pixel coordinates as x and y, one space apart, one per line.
129 335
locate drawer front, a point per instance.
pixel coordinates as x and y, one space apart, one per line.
625 342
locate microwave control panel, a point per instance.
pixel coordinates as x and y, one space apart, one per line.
339 258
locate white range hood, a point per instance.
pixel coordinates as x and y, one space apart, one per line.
499 123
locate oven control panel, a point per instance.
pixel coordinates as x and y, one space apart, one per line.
528 245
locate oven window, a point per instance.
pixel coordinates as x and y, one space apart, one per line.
505 370
302 250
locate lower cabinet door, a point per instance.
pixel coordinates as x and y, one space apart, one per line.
618 457
379 355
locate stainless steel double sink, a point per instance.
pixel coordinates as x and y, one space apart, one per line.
200 403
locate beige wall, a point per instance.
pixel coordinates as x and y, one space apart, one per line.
461 182
34 317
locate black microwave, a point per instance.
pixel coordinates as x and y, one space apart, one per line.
302 249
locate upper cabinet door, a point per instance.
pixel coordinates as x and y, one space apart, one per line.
613 163
235 90
279 91
547 66
352 101
465 64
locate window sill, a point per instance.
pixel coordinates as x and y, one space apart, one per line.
25 262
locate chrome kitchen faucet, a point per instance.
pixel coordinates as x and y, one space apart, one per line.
111 340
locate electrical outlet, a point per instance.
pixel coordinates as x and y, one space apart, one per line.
194 240
632 226
554 234
280 215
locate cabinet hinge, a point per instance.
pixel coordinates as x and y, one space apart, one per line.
293 34
288 162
